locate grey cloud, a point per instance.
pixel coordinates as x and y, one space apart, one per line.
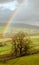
29 12
2 1
5 16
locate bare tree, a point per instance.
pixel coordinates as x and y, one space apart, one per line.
21 42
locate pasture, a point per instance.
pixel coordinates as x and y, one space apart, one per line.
7 48
31 60
26 60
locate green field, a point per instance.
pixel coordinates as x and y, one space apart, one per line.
35 43
35 40
26 60
6 49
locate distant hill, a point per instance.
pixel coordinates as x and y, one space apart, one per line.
16 27
23 25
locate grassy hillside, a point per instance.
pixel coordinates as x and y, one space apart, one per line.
35 39
26 60
6 49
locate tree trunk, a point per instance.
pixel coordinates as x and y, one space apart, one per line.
20 51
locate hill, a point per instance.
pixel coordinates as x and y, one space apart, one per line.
16 27
26 60
23 25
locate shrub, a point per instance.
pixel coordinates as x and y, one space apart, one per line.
21 43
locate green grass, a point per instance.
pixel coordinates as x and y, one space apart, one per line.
35 39
26 60
6 49
35 44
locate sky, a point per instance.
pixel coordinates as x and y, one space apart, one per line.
28 13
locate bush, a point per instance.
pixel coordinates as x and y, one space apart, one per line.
21 42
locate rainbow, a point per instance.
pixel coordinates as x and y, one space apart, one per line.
12 17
